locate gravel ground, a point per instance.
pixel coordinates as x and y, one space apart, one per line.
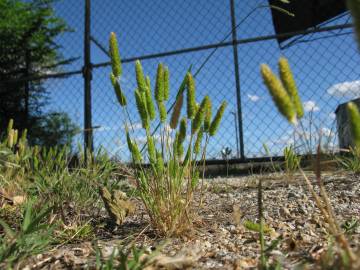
219 239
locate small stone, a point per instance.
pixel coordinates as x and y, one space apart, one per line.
285 212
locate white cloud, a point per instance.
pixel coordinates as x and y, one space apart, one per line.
311 106
253 98
332 116
327 132
345 89
284 140
134 126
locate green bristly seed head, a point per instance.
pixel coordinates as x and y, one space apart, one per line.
288 81
281 98
150 104
354 7
23 136
16 133
141 106
10 140
217 119
159 86
136 152
208 114
115 56
128 140
10 125
199 117
354 116
118 92
151 149
182 130
162 112
140 78
148 84
191 103
198 141
179 148
176 112
166 83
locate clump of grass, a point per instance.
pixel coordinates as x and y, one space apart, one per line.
290 111
351 161
32 236
123 257
167 186
45 176
292 161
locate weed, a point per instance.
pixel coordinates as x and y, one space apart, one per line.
283 98
262 229
124 258
31 238
292 161
71 194
350 225
225 154
350 161
166 187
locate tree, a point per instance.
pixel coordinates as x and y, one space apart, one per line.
54 129
28 48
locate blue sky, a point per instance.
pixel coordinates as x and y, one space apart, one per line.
145 27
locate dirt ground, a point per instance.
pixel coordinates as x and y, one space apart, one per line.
220 240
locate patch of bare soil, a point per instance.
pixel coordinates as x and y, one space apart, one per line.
219 239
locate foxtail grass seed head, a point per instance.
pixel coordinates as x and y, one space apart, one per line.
23 136
10 140
136 152
151 149
118 92
140 78
354 115
198 141
208 114
354 7
199 117
159 85
289 83
148 83
279 95
176 112
178 146
115 56
162 112
217 119
128 140
166 83
10 125
150 104
191 102
182 130
16 134
180 150
141 106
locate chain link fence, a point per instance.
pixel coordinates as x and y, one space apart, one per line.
224 42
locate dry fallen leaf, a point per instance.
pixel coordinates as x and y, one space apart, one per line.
117 205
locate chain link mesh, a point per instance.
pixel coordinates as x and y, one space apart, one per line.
324 63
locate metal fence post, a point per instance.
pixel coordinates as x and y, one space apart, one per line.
237 78
87 74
